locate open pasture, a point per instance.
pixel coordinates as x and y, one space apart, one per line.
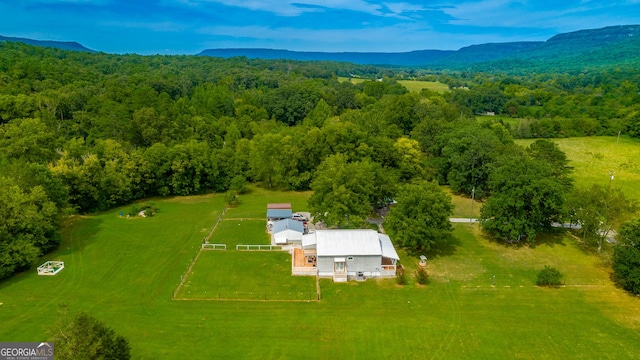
246 275
411 85
595 158
481 302
238 231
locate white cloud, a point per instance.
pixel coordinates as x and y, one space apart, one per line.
165 26
294 8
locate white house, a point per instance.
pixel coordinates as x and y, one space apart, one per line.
346 254
287 231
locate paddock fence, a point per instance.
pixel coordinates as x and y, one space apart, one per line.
256 247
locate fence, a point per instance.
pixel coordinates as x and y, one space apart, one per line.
214 246
254 296
258 247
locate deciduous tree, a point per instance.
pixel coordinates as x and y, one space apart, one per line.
419 221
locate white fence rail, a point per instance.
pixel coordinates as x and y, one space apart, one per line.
214 246
258 247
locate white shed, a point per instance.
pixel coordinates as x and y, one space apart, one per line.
287 231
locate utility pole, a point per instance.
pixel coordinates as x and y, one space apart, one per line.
473 196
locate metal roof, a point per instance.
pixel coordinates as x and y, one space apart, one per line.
287 224
279 206
279 213
309 241
347 242
388 250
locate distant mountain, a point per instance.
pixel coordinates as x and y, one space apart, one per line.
63 45
563 52
413 58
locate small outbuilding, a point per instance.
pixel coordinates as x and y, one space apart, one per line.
287 231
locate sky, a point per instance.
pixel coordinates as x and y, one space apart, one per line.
190 26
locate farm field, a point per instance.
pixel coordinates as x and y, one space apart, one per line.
481 302
411 85
593 159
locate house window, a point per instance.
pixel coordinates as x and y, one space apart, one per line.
350 258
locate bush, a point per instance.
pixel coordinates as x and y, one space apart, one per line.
549 276
401 276
134 210
231 198
421 276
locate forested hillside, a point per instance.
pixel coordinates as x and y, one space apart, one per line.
573 52
81 132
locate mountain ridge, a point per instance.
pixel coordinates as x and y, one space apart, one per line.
63 45
556 51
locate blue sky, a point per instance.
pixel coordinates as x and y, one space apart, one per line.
189 26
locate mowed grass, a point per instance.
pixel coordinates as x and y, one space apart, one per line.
250 275
462 206
417 86
238 231
253 205
593 159
481 302
411 85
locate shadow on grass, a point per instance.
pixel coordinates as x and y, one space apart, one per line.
445 248
555 236
75 235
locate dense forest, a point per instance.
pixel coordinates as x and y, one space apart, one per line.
82 132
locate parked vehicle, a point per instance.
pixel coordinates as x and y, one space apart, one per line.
299 217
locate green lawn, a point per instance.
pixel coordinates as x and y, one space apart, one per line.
254 203
234 232
250 275
462 206
481 302
593 159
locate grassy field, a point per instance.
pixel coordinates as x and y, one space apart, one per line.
593 159
481 302
234 232
411 85
462 206
249 275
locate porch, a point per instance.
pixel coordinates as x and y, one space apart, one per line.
303 262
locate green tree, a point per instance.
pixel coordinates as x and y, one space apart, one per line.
626 257
419 221
85 337
28 226
470 153
599 210
525 199
27 139
343 191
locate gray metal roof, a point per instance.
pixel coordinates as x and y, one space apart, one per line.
287 224
347 242
279 213
388 250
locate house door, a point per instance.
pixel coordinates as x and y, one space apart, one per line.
339 267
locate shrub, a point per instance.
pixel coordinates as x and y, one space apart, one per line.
421 276
549 276
401 276
231 198
134 210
